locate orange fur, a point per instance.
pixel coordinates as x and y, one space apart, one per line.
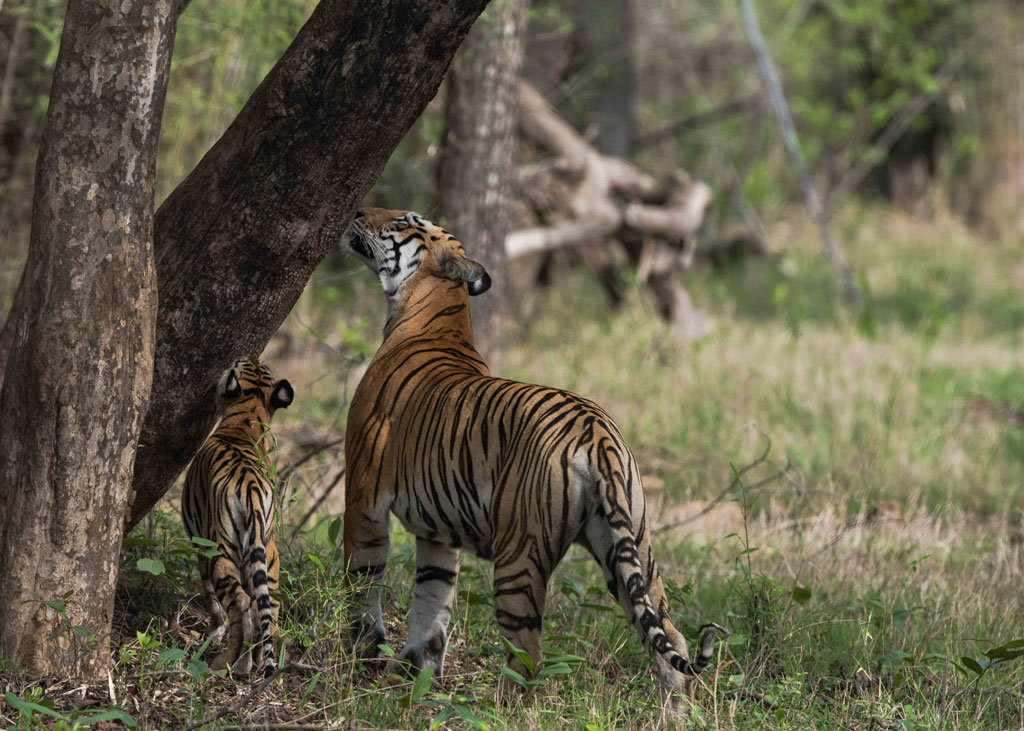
513 472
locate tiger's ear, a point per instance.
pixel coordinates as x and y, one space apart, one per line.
283 394
230 387
457 267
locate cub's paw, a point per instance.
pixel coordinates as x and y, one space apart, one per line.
240 666
216 632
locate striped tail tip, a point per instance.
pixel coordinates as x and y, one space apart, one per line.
704 651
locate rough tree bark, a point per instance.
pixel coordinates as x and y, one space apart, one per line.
477 168
78 377
237 241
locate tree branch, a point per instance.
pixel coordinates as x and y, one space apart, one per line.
238 239
847 278
734 106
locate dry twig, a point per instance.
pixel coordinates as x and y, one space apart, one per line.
728 493
287 667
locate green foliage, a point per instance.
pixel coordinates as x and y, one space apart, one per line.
35 711
856 65
172 559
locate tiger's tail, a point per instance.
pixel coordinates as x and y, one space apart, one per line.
625 563
256 569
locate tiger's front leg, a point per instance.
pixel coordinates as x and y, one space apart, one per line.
437 568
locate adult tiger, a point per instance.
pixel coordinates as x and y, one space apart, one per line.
513 472
229 498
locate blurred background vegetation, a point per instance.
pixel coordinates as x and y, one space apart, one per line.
906 421
663 82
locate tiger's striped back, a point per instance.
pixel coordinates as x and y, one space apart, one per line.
229 498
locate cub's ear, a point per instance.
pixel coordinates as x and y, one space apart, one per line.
230 387
283 395
473 273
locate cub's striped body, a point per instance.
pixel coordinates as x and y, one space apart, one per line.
228 498
514 472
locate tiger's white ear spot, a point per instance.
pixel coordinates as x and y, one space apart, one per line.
230 387
283 395
479 286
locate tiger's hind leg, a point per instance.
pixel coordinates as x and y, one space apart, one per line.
437 568
520 592
367 547
233 597
218 619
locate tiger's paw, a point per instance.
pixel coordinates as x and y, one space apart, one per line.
367 639
414 659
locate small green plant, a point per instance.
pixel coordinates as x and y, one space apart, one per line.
559 664
80 638
478 713
37 712
171 560
759 597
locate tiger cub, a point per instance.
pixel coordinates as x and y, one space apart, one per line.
229 498
512 472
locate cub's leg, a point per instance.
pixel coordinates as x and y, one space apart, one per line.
437 567
232 597
520 591
218 619
273 580
367 546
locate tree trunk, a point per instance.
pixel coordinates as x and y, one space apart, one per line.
237 241
78 376
611 31
477 167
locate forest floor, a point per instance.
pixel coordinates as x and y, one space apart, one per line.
867 564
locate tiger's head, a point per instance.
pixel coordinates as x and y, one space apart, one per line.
247 387
398 244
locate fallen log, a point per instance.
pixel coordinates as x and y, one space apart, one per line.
583 198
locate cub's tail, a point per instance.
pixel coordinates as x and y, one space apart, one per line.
256 575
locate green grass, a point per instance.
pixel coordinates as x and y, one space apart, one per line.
886 515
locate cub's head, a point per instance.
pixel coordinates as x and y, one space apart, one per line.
398 244
247 384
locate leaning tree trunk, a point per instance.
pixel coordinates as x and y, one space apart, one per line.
477 169
237 241
78 377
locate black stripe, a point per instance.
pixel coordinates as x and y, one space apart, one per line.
435 573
